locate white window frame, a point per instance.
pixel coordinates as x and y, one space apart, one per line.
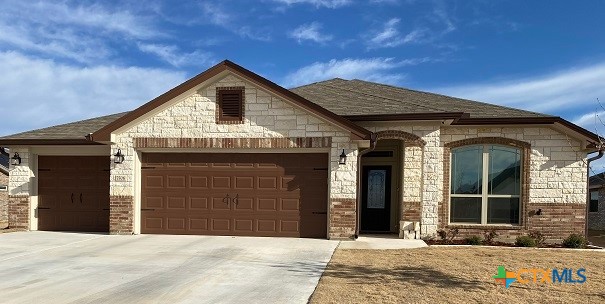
484 186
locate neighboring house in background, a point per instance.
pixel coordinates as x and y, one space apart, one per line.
3 188
596 209
229 152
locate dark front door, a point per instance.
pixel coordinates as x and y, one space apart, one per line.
73 193
376 199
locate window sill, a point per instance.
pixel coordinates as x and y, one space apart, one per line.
487 226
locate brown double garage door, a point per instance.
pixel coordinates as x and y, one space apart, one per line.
235 194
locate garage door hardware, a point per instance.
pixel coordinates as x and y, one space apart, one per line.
80 198
226 199
72 198
235 199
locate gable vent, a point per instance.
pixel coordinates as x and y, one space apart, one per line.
230 105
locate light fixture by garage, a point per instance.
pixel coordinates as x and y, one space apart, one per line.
16 159
342 160
118 158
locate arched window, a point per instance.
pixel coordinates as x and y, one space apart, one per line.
485 184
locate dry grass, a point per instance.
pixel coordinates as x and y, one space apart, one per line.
455 275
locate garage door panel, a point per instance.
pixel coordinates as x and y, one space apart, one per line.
270 193
267 204
176 203
176 182
155 181
244 182
220 224
198 204
198 182
221 182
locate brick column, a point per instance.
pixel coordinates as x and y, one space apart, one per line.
342 219
18 211
121 214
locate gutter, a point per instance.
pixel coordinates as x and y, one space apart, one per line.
373 140
601 153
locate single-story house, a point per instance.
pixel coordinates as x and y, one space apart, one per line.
596 208
3 188
229 152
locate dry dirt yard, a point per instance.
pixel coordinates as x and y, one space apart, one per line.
456 275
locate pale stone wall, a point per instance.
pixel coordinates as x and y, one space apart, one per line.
20 176
266 116
429 178
557 164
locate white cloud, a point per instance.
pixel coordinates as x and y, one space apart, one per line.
317 3
560 91
79 32
37 93
387 37
172 55
310 31
371 69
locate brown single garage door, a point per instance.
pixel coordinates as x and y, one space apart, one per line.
235 194
73 193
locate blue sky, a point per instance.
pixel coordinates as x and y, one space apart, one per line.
62 61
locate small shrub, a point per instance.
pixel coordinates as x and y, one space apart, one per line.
574 241
538 237
453 233
489 235
442 234
473 240
525 241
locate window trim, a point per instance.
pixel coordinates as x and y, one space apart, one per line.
485 196
444 208
3 188
219 115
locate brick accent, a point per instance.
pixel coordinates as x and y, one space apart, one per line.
269 143
342 219
231 122
556 222
18 210
121 214
408 138
412 211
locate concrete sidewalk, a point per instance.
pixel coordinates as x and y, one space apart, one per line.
381 242
57 267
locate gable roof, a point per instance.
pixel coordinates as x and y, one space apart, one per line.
104 133
342 102
70 133
352 98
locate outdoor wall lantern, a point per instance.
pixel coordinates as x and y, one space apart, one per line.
16 159
343 158
118 158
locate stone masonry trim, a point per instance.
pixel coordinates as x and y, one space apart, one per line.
236 143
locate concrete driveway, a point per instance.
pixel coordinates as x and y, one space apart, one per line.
53 267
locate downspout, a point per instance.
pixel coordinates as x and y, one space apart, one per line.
601 152
373 140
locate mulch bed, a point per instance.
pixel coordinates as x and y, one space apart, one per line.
494 243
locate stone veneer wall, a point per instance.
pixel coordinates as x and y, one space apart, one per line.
556 178
266 116
19 187
596 220
3 202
